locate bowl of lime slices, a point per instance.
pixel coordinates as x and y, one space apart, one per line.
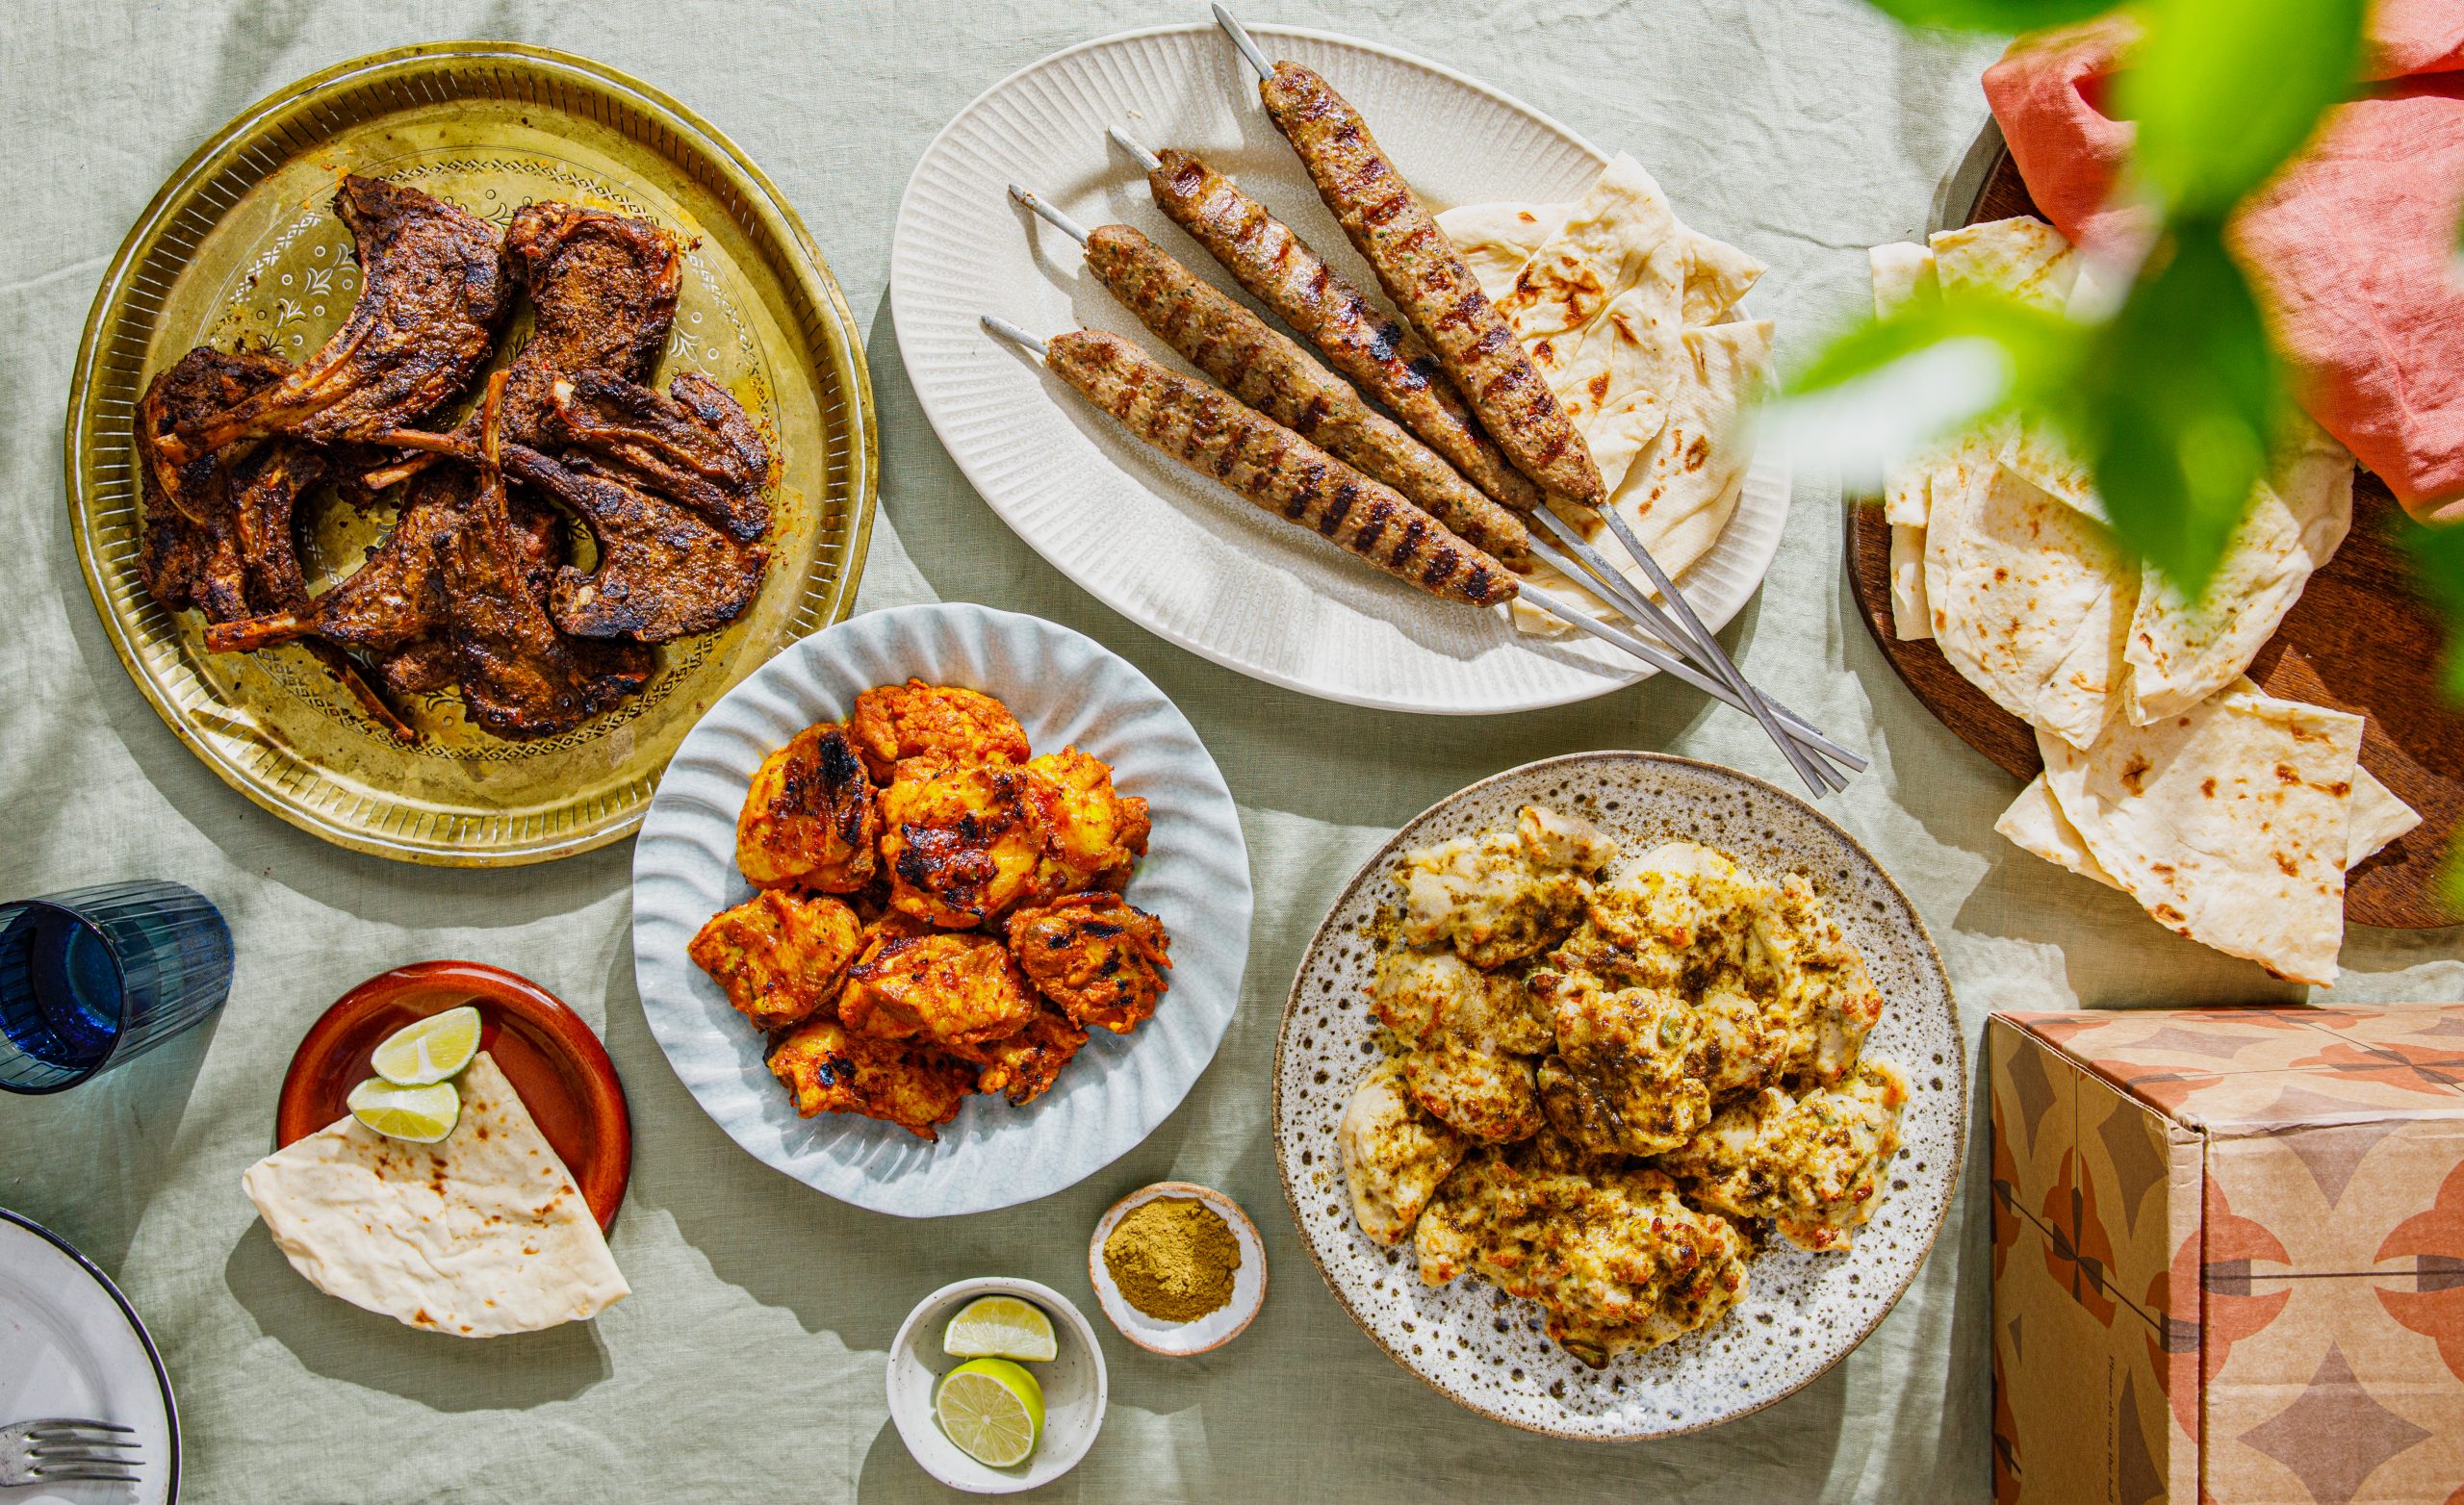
996 1386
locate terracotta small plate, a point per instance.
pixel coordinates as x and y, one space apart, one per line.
544 1048
1181 1339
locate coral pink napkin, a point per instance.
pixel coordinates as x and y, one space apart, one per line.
2351 246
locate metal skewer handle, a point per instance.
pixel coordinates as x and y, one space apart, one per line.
1241 39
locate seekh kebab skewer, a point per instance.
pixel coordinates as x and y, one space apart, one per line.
1380 353
1427 278
1276 376
1209 430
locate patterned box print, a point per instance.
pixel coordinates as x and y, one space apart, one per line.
2228 1255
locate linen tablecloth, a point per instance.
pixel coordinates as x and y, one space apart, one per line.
748 1364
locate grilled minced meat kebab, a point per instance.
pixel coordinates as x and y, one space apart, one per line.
1380 353
1211 432
1421 271
1278 377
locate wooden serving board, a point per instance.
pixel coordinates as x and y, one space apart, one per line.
2359 640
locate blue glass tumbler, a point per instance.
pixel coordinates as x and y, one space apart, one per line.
97 976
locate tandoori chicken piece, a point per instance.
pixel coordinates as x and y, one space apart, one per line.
1095 956
519 677
1471 1037
1097 834
1812 1164
1823 1001
693 443
1394 1153
1611 1255
811 818
942 990
432 291
829 1069
662 573
965 843
893 722
780 956
1503 897
1024 1066
1625 1078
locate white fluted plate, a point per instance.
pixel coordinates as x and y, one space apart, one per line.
1181 556
1067 690
1802 1313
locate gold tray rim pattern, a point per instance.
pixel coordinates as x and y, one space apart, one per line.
829 327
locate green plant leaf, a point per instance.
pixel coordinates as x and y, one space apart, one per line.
2438 565
2179 398
2224 90
1991 15
2045 349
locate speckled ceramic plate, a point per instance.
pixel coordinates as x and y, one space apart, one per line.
241 246
1209 572
1802 1313
1067 690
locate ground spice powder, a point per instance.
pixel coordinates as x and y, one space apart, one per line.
1174 1258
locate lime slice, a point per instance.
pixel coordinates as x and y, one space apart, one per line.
993 1409
1000 1327
422 1115
431 1050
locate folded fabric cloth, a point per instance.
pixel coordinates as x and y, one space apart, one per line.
2351 246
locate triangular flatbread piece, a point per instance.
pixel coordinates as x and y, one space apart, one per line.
483 1233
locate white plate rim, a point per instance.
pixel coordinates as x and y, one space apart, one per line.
1767 471
1233 919
136 1327
1374 867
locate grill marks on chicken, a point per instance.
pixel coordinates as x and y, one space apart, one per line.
472 582
432 292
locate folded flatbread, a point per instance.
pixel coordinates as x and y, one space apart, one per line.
2035 825
1631 317
2031 601
2230 823
483 1234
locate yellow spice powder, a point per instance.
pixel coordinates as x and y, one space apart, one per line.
1174 1258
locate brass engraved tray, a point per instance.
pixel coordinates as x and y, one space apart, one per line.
240 246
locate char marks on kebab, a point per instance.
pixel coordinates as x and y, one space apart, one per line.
473 584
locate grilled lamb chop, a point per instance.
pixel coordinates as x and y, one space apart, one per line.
432 292
693 443
663 572
190 553
603 295
521 677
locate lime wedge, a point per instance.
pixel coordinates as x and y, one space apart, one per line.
422 1115
999 1327
431 1050
992 1410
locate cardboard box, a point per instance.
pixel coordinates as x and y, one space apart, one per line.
2228 1255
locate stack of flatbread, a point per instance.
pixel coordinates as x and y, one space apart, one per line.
2229 814
483 1233
1631 319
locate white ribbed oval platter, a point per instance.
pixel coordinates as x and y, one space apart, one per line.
1067 690
1802 1313
1178 556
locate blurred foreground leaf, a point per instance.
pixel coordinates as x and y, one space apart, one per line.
2178 403
1991 16
2224 90
2438 559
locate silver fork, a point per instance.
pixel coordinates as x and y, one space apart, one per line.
65 1451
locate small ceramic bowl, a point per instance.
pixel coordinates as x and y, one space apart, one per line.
1181 1339
1074 1389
